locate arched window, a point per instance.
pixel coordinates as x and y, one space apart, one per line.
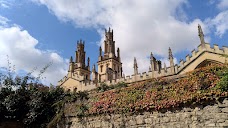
101 68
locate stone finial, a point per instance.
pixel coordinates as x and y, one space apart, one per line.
200 31
88 61
135 66
171 61
135 63
71 59
100 51
170 54
201 36
165 68
152 62
71 65
94 68
118 52
151 56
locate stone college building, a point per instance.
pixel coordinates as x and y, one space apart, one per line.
110 67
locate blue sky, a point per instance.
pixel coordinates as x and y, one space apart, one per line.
36 32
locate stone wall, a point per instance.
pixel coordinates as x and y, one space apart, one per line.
210 116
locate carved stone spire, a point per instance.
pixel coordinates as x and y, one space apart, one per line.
171 61
100 51
135 67
109 43
88 62
152 62
71 65
71 59
118 54
94 68
201 36
80 54
170 54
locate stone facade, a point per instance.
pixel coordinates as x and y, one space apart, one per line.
110 66
210 116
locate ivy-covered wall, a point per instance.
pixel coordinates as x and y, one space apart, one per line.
211 115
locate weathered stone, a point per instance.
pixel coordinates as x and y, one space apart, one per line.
223 124
132 122
139 119
148 121
221 120
187 109
178 119
164 119
225 110
195 118
211 125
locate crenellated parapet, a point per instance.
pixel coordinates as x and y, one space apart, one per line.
215 50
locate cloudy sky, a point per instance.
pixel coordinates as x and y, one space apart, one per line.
34 33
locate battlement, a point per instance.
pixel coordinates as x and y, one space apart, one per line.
200 50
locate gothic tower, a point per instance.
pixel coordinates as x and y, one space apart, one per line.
109 64
80 67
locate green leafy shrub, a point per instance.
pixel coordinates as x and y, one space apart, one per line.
103 87
223 84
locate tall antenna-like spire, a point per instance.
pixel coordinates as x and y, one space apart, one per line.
88 62
201 36
94 68
100 51
170 54
71 59
152 64
135 67
171 61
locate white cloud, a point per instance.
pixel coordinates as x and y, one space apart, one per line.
6 3
139 26
223 4
20 46
3 21
220 22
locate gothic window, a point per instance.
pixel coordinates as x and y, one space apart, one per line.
101 68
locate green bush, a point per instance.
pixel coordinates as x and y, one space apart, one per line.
223 84
103 87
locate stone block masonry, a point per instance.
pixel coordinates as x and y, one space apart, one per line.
210 116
